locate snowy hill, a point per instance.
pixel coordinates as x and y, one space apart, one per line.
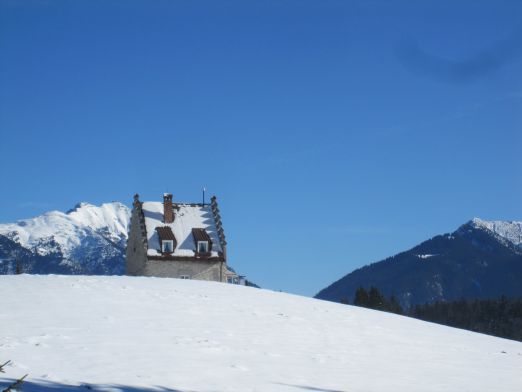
480 260
136 334
87 239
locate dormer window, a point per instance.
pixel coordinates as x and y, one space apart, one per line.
202 241
167 246
202 246
166 239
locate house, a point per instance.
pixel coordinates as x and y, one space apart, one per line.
178 240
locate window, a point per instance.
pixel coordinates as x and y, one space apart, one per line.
202 246
167 246
232 279
184 277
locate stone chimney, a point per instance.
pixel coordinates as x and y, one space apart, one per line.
168 210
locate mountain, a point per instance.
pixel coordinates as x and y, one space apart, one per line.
85 240
481 259
130 334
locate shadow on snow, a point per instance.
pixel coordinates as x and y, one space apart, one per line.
308 388
51 386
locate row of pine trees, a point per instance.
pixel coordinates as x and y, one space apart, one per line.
498 317
373 299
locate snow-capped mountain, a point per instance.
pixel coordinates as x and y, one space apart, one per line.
481 259
87 239
510 231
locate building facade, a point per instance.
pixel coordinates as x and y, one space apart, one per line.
178 240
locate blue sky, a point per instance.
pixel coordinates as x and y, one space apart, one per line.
334 133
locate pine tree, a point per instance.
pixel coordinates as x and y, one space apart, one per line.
375 299
394 306
361 297
19 268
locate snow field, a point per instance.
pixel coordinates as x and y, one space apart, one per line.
133 333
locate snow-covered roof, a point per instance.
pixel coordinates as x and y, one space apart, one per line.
187 217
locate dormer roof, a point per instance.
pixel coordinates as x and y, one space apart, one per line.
200 235
165 233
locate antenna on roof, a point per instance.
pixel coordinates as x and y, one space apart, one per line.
204 190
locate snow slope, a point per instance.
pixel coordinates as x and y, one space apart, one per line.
508 230
135 334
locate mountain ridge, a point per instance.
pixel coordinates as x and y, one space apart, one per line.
478 260
510 231
85 239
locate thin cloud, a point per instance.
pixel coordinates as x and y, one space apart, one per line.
482 64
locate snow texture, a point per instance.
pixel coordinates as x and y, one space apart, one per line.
427 256
142 334
186 218
508 230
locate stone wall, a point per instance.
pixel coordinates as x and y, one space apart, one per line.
198 270
136 253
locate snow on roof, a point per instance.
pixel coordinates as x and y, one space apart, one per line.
187 217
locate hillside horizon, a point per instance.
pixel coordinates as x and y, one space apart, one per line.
46 241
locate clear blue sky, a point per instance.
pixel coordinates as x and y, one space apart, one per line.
334 133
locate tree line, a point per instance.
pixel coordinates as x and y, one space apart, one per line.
500 317
373 299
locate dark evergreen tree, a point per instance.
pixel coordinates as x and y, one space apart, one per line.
373 299
376 299
361 297
19 268
394 306
501 317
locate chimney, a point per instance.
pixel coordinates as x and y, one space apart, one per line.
168 210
